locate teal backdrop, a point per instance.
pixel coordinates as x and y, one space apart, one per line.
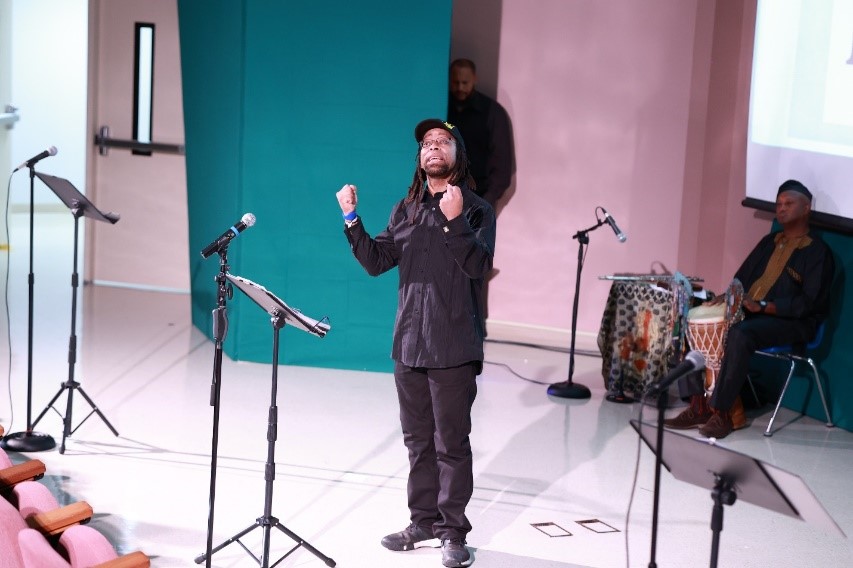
834 357
284 103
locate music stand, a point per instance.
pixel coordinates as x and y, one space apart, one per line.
280 315
276 307
80 206
729 474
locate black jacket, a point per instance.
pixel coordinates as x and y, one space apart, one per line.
442 265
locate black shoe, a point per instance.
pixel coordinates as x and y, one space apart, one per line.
454 553
407 538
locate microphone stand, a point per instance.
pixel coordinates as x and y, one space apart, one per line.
661 391
29 441
661 406
569 389
220 329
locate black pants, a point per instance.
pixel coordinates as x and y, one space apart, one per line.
744 339
435 414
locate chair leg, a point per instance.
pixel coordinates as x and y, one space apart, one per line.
829 423
769 431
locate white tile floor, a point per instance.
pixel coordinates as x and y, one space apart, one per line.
340 463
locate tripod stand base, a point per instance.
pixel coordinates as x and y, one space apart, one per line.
267 523
28 442
568 389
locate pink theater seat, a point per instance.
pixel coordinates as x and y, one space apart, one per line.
11 523
85 548
11 474
36 551
41 511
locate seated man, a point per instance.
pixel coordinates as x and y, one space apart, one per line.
786 279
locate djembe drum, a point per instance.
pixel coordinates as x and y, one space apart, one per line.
706 333
708 326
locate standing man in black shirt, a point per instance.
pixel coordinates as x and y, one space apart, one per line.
485 125
488 137
441 237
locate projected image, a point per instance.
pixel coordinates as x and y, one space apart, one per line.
801 116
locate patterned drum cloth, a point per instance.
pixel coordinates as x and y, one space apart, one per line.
635 339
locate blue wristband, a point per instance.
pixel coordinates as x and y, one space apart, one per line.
350 216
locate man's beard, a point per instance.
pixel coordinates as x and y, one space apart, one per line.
440 170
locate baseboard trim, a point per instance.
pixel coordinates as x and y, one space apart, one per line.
541 335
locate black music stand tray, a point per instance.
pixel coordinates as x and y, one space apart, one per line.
729 474
280 314
80 206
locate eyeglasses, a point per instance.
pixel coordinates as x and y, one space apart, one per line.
443 142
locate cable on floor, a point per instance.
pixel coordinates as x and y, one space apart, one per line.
587 353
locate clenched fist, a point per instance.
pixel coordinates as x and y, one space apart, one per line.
451 202
347 198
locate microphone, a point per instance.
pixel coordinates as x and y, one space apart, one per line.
37 158
610 221
693 361
244 223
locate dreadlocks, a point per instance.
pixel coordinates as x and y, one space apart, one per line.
458 175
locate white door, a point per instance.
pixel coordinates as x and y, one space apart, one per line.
6 118
148 247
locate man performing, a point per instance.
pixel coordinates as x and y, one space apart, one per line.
786 279
441 237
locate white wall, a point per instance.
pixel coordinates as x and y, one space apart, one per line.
48 84
5 94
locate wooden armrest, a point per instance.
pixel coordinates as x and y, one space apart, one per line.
2 430
31 469
55 521
132 560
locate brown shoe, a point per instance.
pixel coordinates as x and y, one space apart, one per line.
719 426
738 415
695 415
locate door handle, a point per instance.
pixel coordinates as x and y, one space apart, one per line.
104 143
9 117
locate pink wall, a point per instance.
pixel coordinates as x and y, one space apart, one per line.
639 107
716 231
